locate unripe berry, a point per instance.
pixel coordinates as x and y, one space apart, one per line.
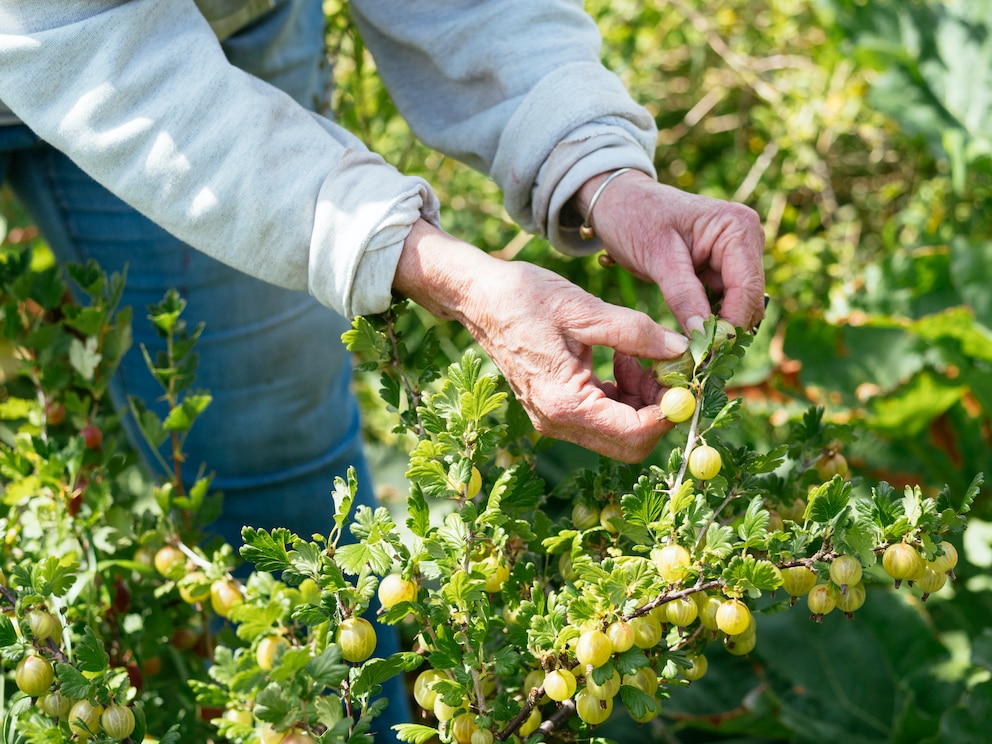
798 580
559 684
931 581
671 561
394 589
462 727
741 645
852 599
699 666
423 691
644 679
845 571
591 709
606 690
725 334
682 611
733 617
621 636
821 601
678 404
34 675
84 719
55 704
117 721
585 517
704 462
647 631
945 562
356 638
593 649
608 514
684 365
829 464
44 624
901 561
708 607
482 736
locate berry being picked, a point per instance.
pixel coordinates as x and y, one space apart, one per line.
357 639
733 617
593 649
394 589
704 462
845 570
725 334
34 675
591 709
684 365
902 562
678 404
559 684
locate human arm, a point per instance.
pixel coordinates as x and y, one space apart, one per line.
516 89
539 329
140 95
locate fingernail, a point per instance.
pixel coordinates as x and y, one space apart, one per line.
676 344
695 323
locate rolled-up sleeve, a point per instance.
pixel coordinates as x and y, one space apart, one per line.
141 97
515 89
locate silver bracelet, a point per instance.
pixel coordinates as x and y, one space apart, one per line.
586 231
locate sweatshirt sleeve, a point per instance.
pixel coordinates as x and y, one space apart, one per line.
515 89
140 96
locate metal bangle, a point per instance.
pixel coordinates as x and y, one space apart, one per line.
586 231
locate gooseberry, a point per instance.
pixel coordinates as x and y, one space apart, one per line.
356 638
678 404
704 462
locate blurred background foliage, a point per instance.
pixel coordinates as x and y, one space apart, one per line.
861 132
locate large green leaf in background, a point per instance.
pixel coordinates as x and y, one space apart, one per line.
935 63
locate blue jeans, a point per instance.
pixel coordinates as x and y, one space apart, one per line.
283 421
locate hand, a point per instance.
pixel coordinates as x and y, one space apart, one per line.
683 243
539 329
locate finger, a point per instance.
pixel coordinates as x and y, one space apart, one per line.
737 258
608 427
629 332
682 289
637 386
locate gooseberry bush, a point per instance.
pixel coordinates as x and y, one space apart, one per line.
125 621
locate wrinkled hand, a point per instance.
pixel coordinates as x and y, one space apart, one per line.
684 243
539 329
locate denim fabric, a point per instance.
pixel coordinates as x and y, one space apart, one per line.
283 421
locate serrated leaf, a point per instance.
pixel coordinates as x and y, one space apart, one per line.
414 733
8 636
638 702
90 654
828 500
418 514
753 530
72 683
267 550
376 671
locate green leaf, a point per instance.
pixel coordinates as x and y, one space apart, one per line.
90 654
8 636
376 671
828 500
463 589
644 506
182 417
753 530
267 550
418 514
638 702
72 683
414 733
327 669
84 357
364 340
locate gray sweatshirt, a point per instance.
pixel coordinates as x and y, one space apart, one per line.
139 94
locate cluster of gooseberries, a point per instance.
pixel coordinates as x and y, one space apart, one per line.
845 591
35 677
